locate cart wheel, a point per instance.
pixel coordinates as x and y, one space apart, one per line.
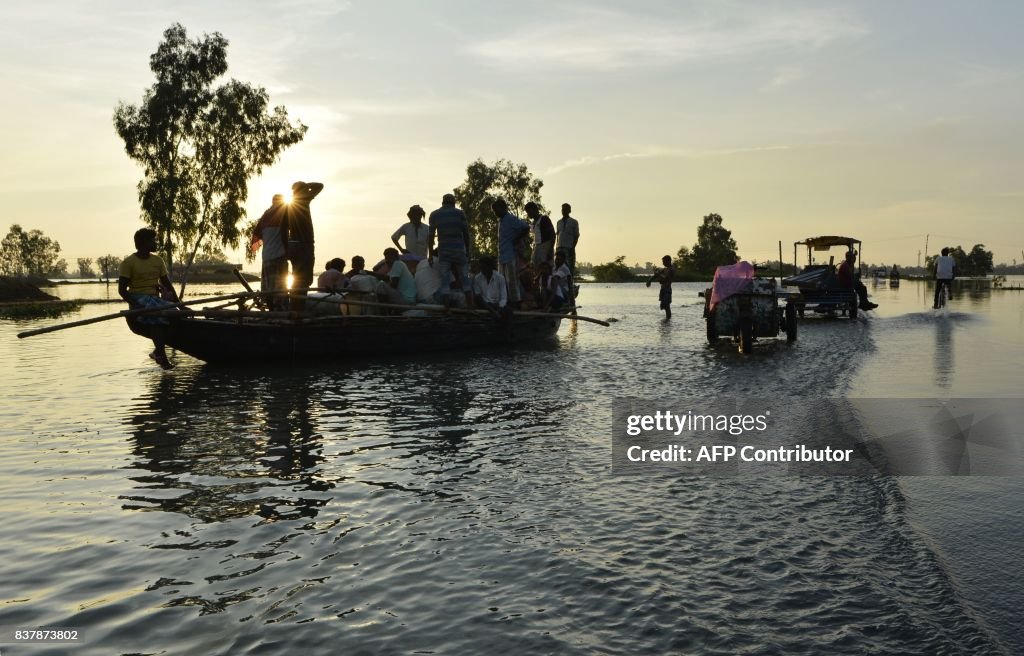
853 309
746 335
712 322
790 323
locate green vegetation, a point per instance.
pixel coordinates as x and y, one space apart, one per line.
615 271
715 247
38 309
484 183
199 144
30 254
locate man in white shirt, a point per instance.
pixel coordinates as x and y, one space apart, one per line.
567 235
945 271
489 288
416 233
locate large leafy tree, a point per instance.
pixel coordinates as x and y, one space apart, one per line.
199 144
108 265
85 267
715 247
29 253
485 182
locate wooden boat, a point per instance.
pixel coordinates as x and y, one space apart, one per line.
233 336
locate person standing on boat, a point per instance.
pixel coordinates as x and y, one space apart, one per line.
490 289
449 229
945 272
143 276
298 232
567 235
543 234
510 229
849 280
664 276
268 233
417 235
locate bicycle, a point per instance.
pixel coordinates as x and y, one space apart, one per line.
941 292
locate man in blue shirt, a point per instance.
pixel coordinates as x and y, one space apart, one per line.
450 228
510 229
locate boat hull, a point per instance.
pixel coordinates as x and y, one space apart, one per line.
253 340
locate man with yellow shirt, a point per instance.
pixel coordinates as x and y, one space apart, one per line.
143 275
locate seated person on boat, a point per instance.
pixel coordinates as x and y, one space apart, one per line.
143 277
332 279
398 286
489 287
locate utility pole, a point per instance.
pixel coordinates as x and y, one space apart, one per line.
919 258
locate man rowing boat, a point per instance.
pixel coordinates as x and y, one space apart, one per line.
142 278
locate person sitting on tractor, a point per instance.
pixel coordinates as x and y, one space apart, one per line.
848 279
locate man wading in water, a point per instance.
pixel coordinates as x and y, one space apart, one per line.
664 276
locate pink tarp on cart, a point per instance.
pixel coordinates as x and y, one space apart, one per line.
729 280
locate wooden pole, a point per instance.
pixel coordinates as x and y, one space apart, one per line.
241 279
126 313
780 261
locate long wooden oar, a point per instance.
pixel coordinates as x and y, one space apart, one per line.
127 313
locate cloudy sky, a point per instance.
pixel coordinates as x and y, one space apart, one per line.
886 121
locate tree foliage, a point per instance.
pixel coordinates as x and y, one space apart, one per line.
29 254
615 271
715 247
682 261
108 265
978 262
484 183
199 144
85 267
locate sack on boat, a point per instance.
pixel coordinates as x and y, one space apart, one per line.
357 310
324 304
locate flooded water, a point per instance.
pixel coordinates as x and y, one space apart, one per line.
463 503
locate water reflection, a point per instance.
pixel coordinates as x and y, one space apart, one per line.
208 442
944 362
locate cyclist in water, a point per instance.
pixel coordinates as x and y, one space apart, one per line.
945 271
